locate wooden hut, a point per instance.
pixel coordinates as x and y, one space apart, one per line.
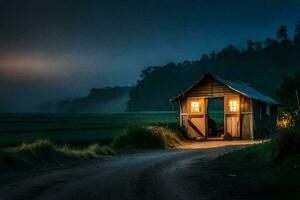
248 114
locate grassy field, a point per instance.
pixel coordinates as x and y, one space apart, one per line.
265 171
78 128
75 128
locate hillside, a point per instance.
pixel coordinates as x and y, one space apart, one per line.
110 99
261 64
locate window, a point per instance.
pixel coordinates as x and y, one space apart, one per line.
233 106
195 106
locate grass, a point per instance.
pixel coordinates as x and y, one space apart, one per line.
148 137
43 151
25 138
265 171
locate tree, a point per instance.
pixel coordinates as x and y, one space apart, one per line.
254 46
297 34
287 91
229 52
186 63
250 46
282 33
213 57
258 46
204 59
269 42
146 72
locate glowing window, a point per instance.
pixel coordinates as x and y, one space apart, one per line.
233 105
195 106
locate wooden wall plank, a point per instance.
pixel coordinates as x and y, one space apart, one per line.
233 126
211 87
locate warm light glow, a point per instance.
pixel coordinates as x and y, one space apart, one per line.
233 105
286 120
195 106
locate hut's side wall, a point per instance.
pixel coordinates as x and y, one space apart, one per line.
264 120
257 111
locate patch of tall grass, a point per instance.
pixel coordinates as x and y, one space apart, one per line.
44 151
148 138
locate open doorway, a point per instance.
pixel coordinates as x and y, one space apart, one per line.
215 120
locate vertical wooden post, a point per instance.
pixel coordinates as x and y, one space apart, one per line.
252 122
206 116
225 118
297 99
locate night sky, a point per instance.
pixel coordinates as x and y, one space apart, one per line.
53 49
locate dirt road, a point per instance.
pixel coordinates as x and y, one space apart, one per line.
164 174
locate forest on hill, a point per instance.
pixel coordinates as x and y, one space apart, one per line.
262 64
109 99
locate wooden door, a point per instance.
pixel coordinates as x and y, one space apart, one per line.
232 115
197 116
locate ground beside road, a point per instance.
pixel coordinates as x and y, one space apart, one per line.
184 173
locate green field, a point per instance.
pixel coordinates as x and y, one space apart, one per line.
74 128
77 128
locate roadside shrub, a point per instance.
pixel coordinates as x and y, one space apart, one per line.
147 137
167 137
42 151
93 150
100 150
287 142
38 149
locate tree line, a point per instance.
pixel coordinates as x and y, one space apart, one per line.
262 64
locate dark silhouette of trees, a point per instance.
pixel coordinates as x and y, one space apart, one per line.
269 42
213 57
262 64
282 33
297 35
205 60
250 46
258 46
287 91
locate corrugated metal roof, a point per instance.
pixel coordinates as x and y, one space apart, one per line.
241 88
